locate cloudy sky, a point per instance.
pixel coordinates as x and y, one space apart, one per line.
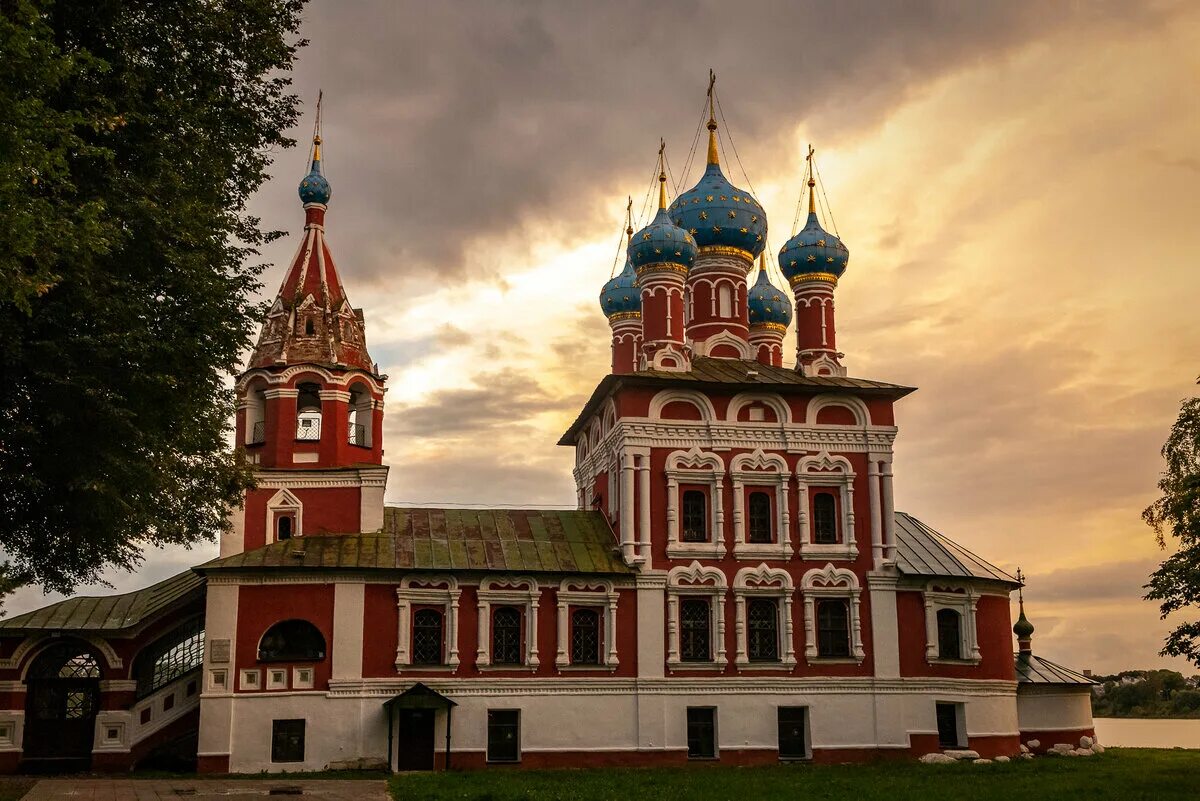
1015 182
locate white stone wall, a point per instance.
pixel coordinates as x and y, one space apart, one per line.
1054 708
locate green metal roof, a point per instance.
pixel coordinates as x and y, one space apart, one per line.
1035 670
511 540
731 375
109 612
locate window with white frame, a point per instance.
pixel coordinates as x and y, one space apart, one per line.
695 512
696 616
416 597
507 610
832 624
763 600
285 516
826 486
761 517
950 632
587 623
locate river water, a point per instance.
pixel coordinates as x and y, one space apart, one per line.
1146 733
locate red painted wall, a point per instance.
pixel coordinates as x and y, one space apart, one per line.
260 607
993 628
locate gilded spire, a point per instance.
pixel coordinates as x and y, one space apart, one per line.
317 130
812 182
662 174
628 221
713 157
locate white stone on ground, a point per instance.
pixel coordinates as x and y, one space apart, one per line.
1034 743
1026 756
937 759
1024 749
963 754
1002 759
1085 742
1097 749
1083 752
981 761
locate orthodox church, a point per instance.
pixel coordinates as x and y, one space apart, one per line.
735 584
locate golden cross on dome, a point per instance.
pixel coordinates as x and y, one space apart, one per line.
812 182
662 173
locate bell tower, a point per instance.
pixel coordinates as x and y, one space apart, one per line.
310 402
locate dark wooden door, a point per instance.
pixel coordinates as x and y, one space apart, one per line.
414 745
60 718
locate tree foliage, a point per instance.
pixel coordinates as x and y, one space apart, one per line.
132 133
1176 514
1146 694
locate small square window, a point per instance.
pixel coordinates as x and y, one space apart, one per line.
302 678
169 702
702 732
146 715
251 680
276 679
793 725
287 741
504 735
216 679
112 734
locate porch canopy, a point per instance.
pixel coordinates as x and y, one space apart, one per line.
418 696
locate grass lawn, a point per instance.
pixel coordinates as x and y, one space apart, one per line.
1118 774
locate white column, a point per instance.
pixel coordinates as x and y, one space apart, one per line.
561 658
739 513
885 636
719 603
483 639
610 632
220 657
931 639
452 634
531 634
403 632
627 495
789 632
802 516
889 513
347 650
672 511
739 626
876 513
672 628
644 506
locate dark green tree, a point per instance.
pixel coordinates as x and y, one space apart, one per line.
132 133
1176 583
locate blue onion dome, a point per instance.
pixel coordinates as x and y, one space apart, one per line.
315 188
717 213
662 242
814 251
769 305
620 295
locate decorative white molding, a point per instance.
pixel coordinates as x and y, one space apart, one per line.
322 479
433 590
585 592
862 415
667 396
783 412
831 582
825 470
690 581
284 501
705 347
775 583
521 591
962 599
695 467
768 471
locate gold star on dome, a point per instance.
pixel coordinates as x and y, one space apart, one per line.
757 237
716 229
709 198
724 198
677 253
645 237
744 230
704 215
737 199
658 251
692 231
830 259
753 218
695 200
821 243
733 215
811 257
792 263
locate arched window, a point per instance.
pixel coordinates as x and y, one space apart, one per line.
506 636
308 412
256 417
695 517
949 626
309 330
760 517
66 660
694 630
283 528
359 429
427 637
292 641
833 628
762 635
725 301
824 519
585 637
174 655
